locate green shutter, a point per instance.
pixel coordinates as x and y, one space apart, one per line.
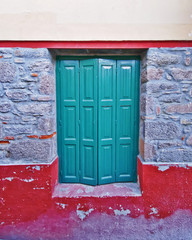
106 121
125 120
69 87
88 121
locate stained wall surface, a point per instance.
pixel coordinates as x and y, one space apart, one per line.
96 20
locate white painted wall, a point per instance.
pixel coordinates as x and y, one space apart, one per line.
96 20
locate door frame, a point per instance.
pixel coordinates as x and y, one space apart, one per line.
137 97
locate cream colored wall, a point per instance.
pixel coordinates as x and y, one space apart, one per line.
96 20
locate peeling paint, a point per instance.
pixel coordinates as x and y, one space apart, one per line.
154 211
39 188
36 168
23 180
83 214
122 212
163 168
61 205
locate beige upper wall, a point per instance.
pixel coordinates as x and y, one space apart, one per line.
96 20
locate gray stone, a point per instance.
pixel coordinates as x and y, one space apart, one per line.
149 151
163 59
15 86
34 108
189 140
19 60
181 74
47 85
30 150
17 95
7 72
17 129
159 87
170 98
32 52
175 155
46 125
186 121
161 130
179 108
154 73
1 131
41 66
5 107
2 154
28 79
147 104
168 144
1 90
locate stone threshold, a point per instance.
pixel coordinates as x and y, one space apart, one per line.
66 190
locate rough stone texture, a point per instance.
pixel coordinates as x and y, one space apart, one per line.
27 105
165 105
30 150
17 129
47 85
17 95
7 72
5 107
34 108
189 140
161 130
175 155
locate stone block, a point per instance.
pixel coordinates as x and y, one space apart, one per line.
46 125
32 52
181 74
5 107
163 59
7 72
186 121
147 104
160 87
170 98
175 155
154 73
34 108
161 130
169 144
30 150
17 95
189 140
1 90
179 108
17 129
47 84
41 66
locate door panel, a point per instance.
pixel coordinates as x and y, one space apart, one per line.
125 120
88 120
106 121
69 117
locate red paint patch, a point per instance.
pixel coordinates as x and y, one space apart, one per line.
47 136
4 122
183 138
32 136
4 142
34 74
158 111
9 138
1 56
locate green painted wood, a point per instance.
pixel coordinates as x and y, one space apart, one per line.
69 92
126 80
106 120
88 121
97 120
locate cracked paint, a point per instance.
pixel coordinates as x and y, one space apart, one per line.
122 212
163 168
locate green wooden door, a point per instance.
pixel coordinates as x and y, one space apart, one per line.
97 118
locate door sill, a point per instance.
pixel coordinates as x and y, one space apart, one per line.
68 190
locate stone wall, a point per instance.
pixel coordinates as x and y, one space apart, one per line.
166 105
27 106
28 111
